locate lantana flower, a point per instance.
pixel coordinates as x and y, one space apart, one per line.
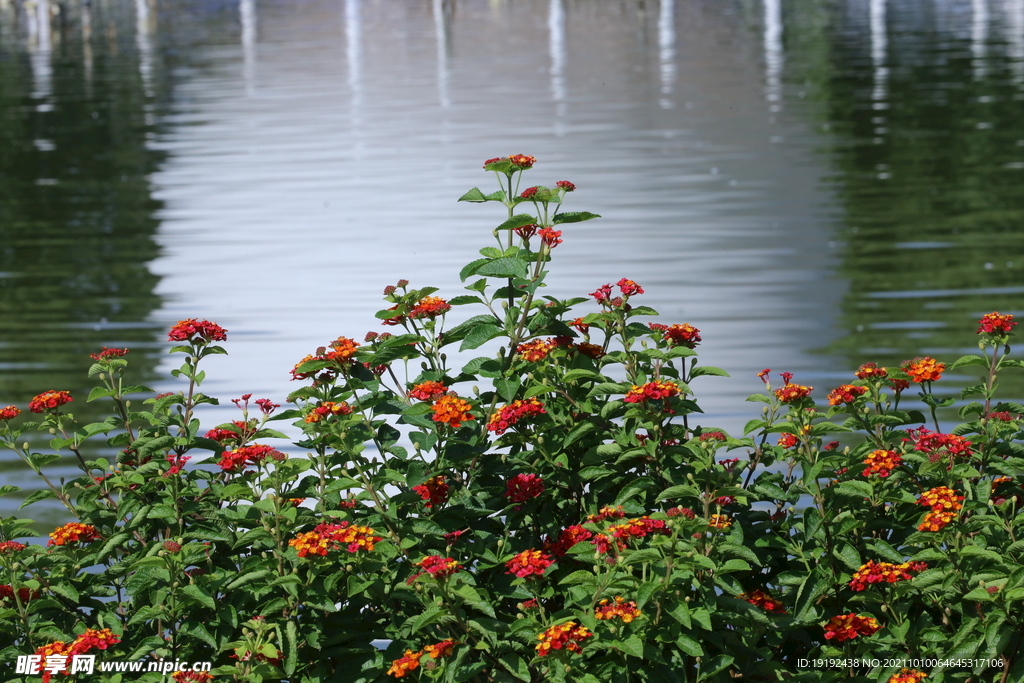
762 599
73 532
508 416
849 626
619 608
191 330
925 369
452 411
434 491
49 400
568 636
529 563
884 572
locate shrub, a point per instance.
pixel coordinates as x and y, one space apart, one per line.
552 512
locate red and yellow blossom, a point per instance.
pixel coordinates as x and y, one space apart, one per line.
628 287
523 161
410 661
429 307
523 487
995 324
550 237
7 592
945 505
440 650
849 626
787 440
192 677
452 411
617 609
607 512
721 522
633 529
535 350
845 394
881 463
567 538
568 636
438 566
764 600
529 563
936 445
342 350
884 572
327 536
9 547
791 393
925 369
908 676
328 409
73 532
652 391
507 416
9 413
188 330
434 491
871 371
253 454
427 391
107 354
49 400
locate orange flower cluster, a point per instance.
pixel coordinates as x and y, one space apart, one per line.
845 394
91 639
884 572
529 563
936 445
849 626
568 636
722 522
589 350
629 530
536 350
678 335
452 411
550 237
188 330
9 413
871 371
791 393
881 463
762 599
608 512
429 307
433 490
326 537
410 661
908 676
944 504
925 369
49 400
192 677
342 349
652 391
567 538
236 460
993 323
73 532
326 409
428 391
504 419
617 609
787 440
437 566
11 547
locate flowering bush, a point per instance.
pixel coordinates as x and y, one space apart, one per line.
554 512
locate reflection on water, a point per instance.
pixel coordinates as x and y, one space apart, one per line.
812 183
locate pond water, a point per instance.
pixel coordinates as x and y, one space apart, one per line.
812 183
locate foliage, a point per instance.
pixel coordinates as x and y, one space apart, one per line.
553 512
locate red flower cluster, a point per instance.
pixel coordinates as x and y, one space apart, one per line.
529 192
429 307
565 185
881 463
617 609
192 677
11 547
550 237
594 351
24 594
327 409
434 491
845 394
427 391
568 636
925 369
787 440
437 566
245 431
49 400
944 503
188 330
410 661
688 513
849 626
326 537
536 350
523 161
568 537
937 446
884 572
91 639
9 413
678 335
504 419
871 371
602 293
652 391
107 354
994 323
606 513
442 649
73 532
791 393
526 231
628 287
523 487
177 463
632 529
721 522
529 563
762 599
236 460
452 411
908 676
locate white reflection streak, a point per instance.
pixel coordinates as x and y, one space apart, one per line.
42 69
556 27
247 15
86 8
144 45
1015 37
441 29
979 36
354 54
774 58
879 47
667 50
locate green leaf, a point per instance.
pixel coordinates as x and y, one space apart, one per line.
248 577
200 595
708 370
8 488
573 217
35 496
515 664
291 648
479 336
855 489
968 360
632 646
689 646
471 268
474 195
517 221
507 388
504 267
465 299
